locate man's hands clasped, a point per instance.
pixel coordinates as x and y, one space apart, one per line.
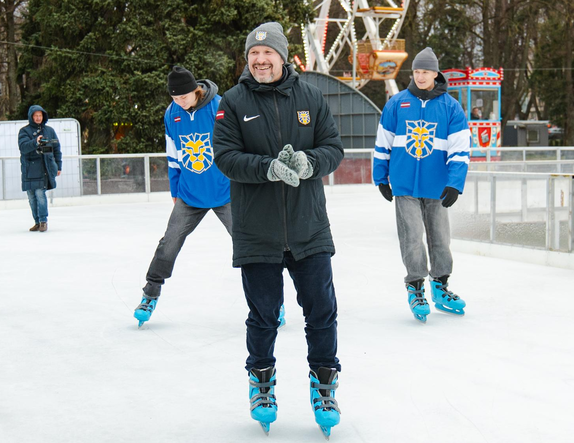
290 167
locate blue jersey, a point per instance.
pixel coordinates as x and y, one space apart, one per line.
422 145
193 175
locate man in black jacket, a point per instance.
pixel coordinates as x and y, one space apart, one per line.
275 139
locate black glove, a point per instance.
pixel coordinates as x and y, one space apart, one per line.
386 191
449 196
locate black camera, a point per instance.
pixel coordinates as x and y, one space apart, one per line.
45 145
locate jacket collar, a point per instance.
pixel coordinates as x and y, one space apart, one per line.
439 89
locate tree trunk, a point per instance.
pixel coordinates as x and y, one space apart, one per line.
569 125
12 59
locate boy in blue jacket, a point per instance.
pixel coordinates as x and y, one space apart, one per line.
196 184
421 157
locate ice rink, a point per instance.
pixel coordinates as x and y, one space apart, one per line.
75 368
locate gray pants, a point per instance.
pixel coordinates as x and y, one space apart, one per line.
182 222
414 215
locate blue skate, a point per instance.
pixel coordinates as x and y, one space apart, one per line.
145 309
262 396
444 299
282 316
417 301
327 412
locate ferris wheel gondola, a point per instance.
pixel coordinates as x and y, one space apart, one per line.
371 57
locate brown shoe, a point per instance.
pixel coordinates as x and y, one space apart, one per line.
43 226
35 227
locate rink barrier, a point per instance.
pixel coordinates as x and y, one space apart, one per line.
523 198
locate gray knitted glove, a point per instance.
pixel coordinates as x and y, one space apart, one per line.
301 165
280 171
286 154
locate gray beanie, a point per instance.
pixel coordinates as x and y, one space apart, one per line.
268 34
180 81
426 60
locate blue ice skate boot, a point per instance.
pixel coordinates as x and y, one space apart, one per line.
323 385
145 309
282 316
262 396
417 301
444 299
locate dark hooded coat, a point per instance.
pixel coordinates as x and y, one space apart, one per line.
252 125
39 170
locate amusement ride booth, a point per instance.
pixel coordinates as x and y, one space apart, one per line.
478 92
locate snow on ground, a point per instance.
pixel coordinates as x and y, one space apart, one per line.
75 368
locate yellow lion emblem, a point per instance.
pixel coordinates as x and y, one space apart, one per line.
196 152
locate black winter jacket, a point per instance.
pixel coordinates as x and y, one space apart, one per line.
39 171
253 123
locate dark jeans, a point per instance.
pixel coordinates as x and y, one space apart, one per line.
182 222
313 280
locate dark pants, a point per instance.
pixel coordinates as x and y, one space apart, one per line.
182 222
313 280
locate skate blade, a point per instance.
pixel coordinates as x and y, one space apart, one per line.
265 427
443 308
326 431
421 318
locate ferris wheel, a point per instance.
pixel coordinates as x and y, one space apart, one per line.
377 55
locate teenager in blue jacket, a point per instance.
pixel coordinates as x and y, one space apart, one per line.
196 184
40 163
421 158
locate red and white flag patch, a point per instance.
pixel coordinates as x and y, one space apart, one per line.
177 119
405 104
219 115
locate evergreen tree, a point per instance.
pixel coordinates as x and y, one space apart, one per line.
105 62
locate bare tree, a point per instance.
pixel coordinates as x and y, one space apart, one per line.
10 21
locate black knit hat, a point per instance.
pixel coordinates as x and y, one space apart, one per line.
180 81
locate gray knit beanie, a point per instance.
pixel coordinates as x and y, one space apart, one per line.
426 59
180 81
268 34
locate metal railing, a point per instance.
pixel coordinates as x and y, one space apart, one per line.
526 202
514 208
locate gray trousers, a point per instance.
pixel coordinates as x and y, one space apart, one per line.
182 222
415 216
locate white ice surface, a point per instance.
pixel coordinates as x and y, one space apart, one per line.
75 368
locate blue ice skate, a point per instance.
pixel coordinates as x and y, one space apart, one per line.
262 396
282 316
327 412
145 309
444 299
417 301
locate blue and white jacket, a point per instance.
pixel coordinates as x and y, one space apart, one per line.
423 143
193 176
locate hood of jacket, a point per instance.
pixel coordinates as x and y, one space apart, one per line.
210 89
31 111
439 89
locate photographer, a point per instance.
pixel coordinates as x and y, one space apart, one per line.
41 162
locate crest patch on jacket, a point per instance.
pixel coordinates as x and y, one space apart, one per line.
304 117
420 138
196 152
